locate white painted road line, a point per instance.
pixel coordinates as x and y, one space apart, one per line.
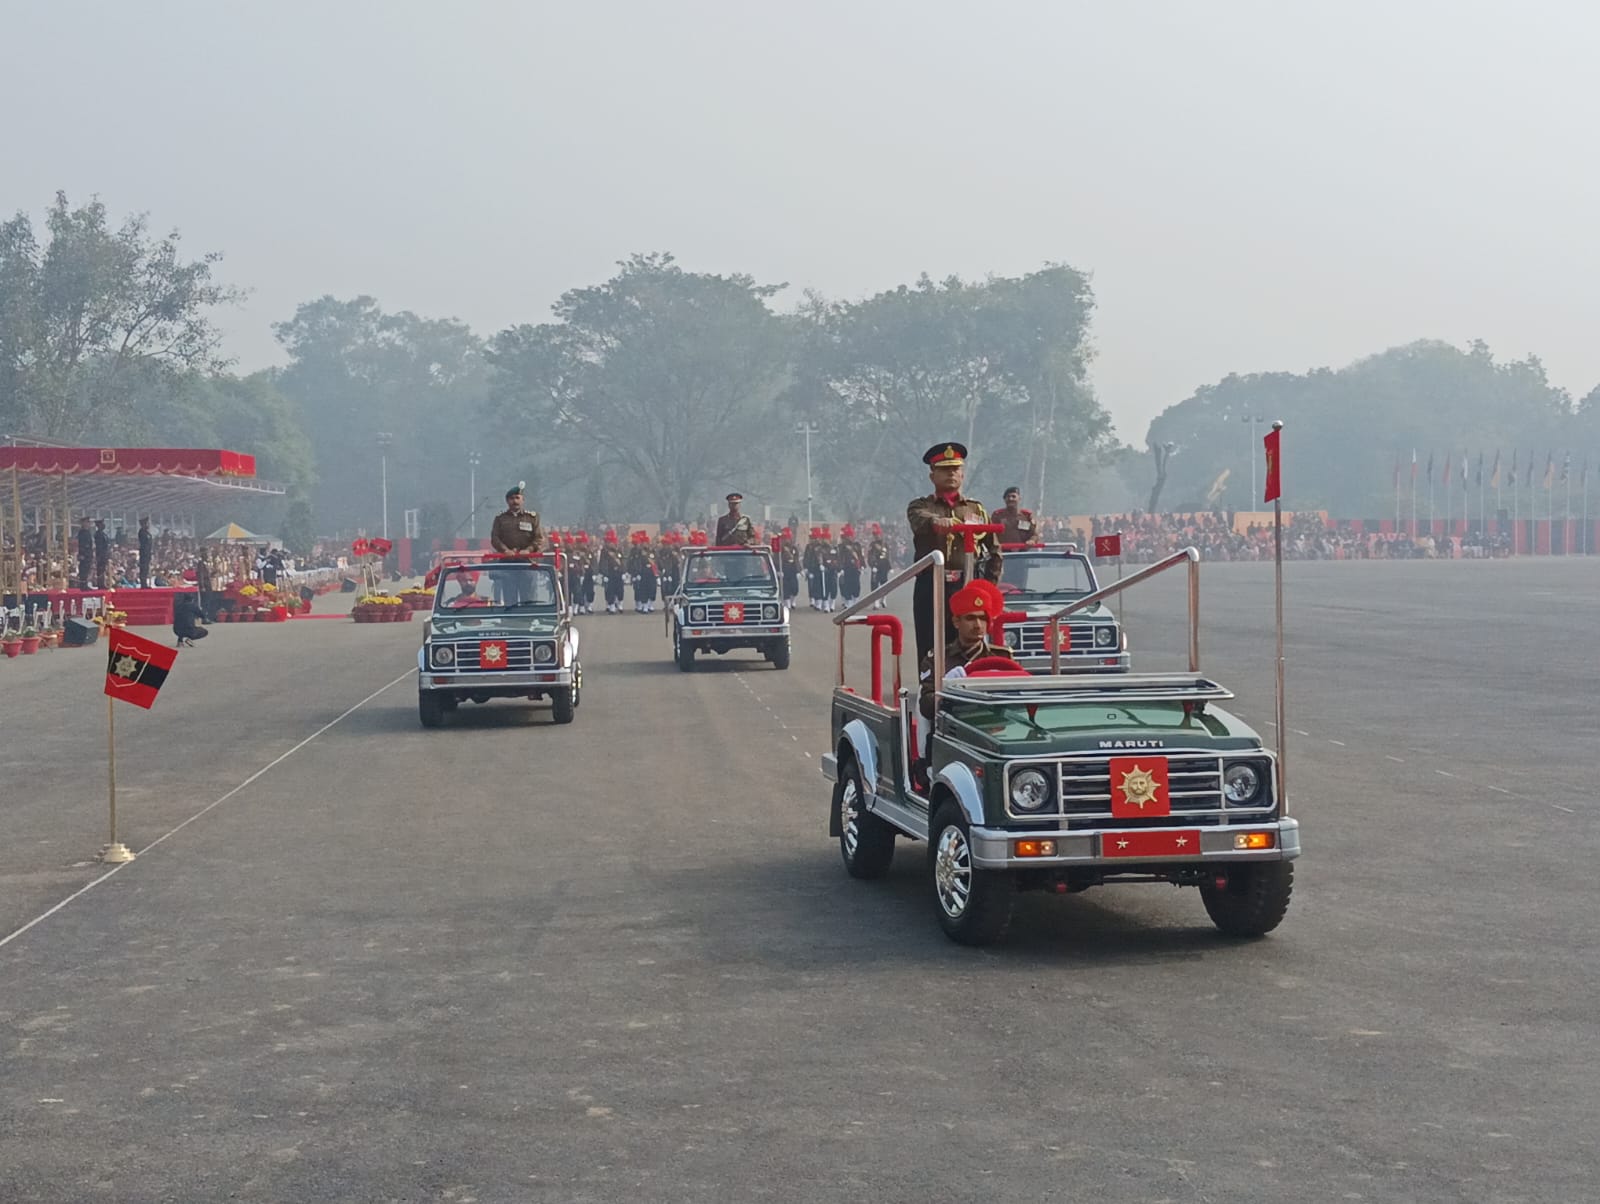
278 760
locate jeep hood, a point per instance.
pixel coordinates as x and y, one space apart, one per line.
1105 729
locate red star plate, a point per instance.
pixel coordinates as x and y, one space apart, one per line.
492 654
734 612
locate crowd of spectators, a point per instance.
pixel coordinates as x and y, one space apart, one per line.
1149 537
174 559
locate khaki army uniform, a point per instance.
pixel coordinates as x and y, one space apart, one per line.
921 514
733 531
1019 527
954 655
516 532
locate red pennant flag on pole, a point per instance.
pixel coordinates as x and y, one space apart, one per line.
136 667
1274 478
1108 545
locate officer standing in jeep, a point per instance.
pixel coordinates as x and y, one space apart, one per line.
936 521
734 528
516 529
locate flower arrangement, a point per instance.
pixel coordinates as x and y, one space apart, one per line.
381 608
30 641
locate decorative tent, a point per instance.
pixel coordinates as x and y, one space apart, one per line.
170 479
234 533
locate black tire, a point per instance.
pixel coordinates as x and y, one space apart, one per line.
449 702
778 653
563 703
973 905
682 651
430 709
866 842
1254 901
577 685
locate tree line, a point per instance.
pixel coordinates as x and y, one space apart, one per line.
648 395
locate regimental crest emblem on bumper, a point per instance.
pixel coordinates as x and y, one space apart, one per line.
492 654
1139 786
734 612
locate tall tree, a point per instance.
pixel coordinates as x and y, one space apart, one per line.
357 373
1352 423
85 315
999 364
662 376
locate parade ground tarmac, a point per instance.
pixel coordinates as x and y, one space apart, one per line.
620 960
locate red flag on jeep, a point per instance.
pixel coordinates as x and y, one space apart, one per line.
1274 476
1108 545
1139 787
379 547
136 667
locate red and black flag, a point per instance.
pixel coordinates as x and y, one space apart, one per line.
136 667
1108 545
1274 488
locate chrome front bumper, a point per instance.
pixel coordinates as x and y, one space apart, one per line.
537 679
991 847
1078 663
742 632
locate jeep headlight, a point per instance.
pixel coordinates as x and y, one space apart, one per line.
1012 637
544 653
443 654
697 614
769 612
1241 783
1030 790
1105 636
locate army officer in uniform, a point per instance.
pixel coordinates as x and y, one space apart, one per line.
515 530
935 523
733 528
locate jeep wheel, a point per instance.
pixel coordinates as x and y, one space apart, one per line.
564 701
778 653
866 842
577 685
430 709
1254 900
974 905
682 652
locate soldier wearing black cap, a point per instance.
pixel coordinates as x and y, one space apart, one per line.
733 528
516 529
1019 524
935 523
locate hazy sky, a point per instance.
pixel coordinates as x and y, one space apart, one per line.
1253 186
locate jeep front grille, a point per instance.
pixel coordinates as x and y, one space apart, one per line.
1194 784
1031 639
519 658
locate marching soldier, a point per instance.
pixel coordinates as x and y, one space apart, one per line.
879 562
516 529
1019 524
935 523
789 562
670 564
851 562
734 528
813 567
610 570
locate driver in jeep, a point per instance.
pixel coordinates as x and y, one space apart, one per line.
973 606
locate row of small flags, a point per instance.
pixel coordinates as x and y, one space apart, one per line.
1548 478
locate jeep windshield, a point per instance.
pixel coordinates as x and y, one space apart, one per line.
496 589
1043 575
728 570
1018 721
